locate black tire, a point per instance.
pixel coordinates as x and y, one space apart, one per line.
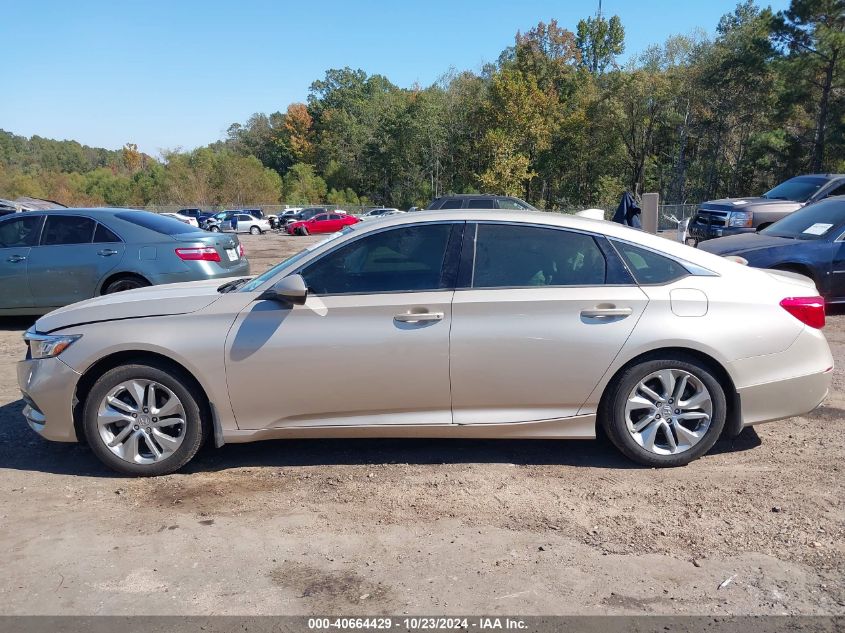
612 410
126 282
254 230
214 229
303 230
195 431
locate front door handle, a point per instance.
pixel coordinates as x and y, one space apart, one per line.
604 313
14 259
107 252
416 317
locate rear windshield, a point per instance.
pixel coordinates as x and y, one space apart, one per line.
813 222
158 223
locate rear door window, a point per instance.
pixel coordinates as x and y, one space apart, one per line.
481 203
512 256
67 229
451 203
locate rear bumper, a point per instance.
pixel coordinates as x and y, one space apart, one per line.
793 382
784 398
48 386
199 270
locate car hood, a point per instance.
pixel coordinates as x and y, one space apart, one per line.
743 243
168 299
749 204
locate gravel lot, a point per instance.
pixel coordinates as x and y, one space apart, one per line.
425 526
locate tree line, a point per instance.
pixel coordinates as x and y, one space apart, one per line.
556 120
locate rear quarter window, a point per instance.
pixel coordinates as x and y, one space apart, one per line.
648 267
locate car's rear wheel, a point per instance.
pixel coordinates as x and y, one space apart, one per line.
143 420
254 230
127 282
665 412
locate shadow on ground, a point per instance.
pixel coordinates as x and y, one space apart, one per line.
21 449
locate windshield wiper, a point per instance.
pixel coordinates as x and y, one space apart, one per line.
229 286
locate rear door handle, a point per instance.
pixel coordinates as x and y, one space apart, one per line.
416 317
106 252
16 258
604 313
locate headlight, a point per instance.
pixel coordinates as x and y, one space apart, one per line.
47 345
741 218
737 259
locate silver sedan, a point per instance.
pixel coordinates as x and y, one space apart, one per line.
484 324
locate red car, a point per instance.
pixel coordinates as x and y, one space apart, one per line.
323 223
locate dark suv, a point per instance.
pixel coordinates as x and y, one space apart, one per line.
479 201
730 216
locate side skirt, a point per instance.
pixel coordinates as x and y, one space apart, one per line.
576 427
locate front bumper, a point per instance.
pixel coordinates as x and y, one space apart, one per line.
701 231
48 386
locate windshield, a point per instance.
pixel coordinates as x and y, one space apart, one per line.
798 189
814 222
257 281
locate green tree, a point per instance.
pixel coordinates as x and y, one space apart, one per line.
600 41
814 33
303 186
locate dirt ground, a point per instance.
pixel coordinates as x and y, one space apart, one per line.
426 526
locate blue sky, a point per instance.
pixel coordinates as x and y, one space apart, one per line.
177 74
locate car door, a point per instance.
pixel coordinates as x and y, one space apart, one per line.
319 224
334 223
68 265
536 322
18 235
245 222
376 323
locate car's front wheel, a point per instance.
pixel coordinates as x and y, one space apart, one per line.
665 411
303 230
214 229
143 419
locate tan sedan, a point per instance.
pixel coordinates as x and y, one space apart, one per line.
488 324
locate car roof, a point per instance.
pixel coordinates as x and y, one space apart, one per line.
560 220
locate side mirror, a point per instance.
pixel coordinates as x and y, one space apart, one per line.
291 289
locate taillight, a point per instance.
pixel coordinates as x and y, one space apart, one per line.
241 250
808 310
207 254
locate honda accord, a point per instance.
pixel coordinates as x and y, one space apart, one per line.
464 323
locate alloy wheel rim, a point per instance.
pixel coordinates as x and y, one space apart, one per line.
669 411
141 421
